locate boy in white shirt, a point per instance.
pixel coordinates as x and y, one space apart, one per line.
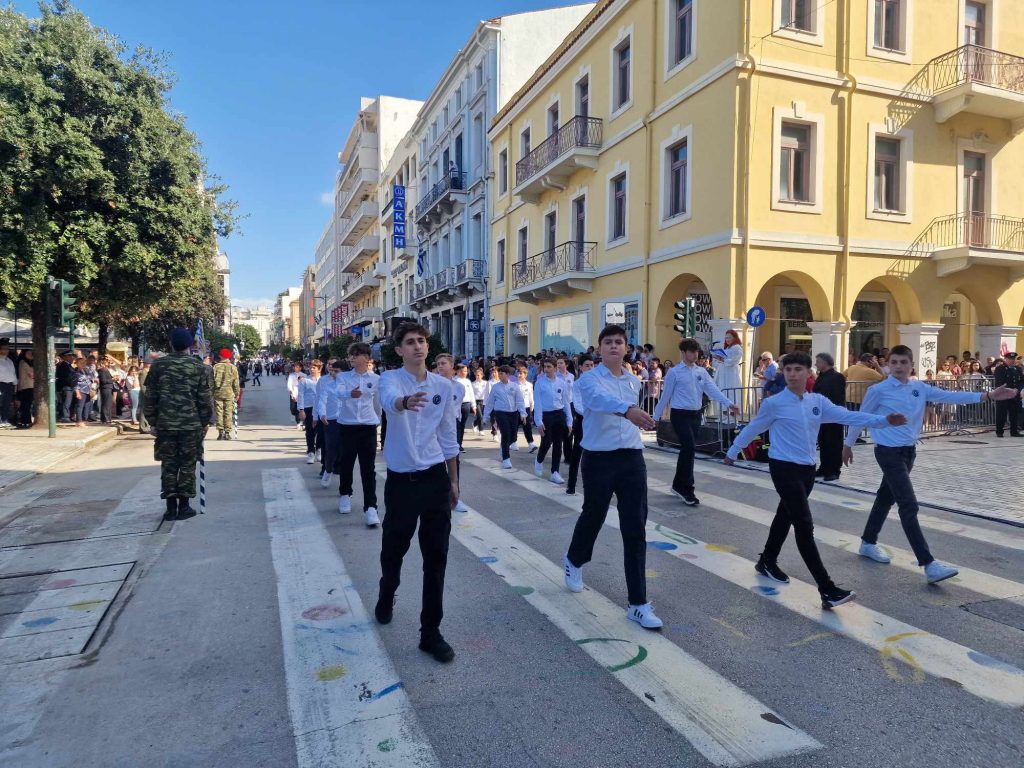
422 483
307 409
552 416
468 402
359 407
526 387
505 402
576 440
327 409
793 417
480 395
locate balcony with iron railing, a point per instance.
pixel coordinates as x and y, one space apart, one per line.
554 272
575 145
470 274
360 187
359 286
441 199
962 240
978 80
367 315
360 253
361 218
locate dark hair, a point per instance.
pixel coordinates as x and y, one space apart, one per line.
689 345
612 330
506 369
829 360
902 350
867 357
359 348
796 358
547 360
405 329
585 358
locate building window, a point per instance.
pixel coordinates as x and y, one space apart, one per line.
524 143
444 122
478 141
679 178
500 261
524 243
458 97
889 25
621 83
618 199
550 235
795 164
503 172
798 15
887 175
682 32
583 96
579 220
569 333
553 119
479 76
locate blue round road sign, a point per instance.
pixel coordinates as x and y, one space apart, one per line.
756 317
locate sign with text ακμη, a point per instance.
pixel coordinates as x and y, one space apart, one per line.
398 216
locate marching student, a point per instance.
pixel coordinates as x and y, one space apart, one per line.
468 401
480 395
683 392
526 387
306 402
613 463
444 365
562 371
576 443
422 481
323 385
359 407
293 393
505 402
491 381
328 406
553 418
895 452
793 417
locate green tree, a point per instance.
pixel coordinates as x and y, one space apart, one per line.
100 183
217 340
250 337
339 346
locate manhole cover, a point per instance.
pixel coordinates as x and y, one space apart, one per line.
57 493
969 442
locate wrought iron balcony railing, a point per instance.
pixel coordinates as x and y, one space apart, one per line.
578 132
971 230
573 256
974 64
450 181
471 269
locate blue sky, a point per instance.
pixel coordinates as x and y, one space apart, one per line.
271 89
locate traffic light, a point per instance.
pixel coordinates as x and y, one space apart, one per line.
66 309
686 317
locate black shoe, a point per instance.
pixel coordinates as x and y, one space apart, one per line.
831 478
385 609
999 434
833 596
437 647
820 473
570 491
1017 434
185 510
688 498
771 571
172 509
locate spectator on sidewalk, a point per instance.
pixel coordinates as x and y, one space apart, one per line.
83 391
67 377
134 388
1009 375
8 383
26 389
864 373
105 386
832 384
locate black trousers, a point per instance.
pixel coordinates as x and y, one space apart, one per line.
383 427
460 425
478 420
106 405
410 498
66 403
830 445
332 441
293 407
575 450
685 424
624 474
314 438
567 438
507 423
527 426
896 488
25 401
358 441
553 438
794 483
1008 410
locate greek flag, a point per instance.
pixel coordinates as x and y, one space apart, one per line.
201 346
421 264
234 349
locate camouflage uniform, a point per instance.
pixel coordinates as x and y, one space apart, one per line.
179 407
225 393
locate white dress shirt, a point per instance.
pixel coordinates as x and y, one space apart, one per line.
417 440
307 394
468 395
358 410
293 385
606 398
8 373
683 387
551 395
910 399
326 399
507 398
793 423
527 389
479 389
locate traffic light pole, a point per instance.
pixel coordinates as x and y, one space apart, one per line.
51 365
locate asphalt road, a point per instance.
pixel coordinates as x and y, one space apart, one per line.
241 637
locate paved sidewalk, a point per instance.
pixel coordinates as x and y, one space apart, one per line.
23 454
975 474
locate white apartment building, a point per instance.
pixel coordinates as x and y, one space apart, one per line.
360 266
223 270
452 215
260 318
283 314
325 267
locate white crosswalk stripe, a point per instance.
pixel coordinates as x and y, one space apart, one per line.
978 673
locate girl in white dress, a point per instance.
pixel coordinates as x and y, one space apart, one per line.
727 366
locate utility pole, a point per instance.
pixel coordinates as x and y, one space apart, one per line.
51 364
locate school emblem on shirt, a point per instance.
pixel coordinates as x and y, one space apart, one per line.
916 393
369 385
816 411
559 390
437 399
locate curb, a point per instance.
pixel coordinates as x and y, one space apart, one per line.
99 438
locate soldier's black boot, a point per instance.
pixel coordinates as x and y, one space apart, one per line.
172 509
185 510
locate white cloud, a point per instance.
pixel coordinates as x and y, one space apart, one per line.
327 199
253 303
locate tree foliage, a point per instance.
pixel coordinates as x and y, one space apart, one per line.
338 346
250 337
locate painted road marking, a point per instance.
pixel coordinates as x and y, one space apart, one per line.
723 722
1003 537
336 723
979 674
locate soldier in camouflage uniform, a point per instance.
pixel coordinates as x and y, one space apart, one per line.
225 393
179 408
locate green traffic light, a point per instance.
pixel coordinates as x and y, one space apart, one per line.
66 308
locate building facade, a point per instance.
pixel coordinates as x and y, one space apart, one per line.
449 139
848 167
398 233
325 267
308 311
283 331
260 318
223 269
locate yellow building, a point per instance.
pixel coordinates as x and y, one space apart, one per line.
850 167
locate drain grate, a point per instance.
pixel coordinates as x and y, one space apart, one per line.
57 493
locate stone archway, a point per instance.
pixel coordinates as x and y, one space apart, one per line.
687 284
791 300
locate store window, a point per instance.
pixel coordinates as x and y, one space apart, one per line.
795 314
633 323
566 333
868 335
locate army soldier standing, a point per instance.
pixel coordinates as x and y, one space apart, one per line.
225 394
1009 375
179 408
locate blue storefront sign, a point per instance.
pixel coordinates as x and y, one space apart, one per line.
398 214
473 325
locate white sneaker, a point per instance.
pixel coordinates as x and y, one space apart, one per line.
300 426
372 521
873 552
936 572
506 464
310 459
556 478
538 469
319 456
496 438
325 479
514 447
345 505
533 447
644 616
477 430
460 506
573 575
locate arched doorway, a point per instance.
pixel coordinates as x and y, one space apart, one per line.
880 307
682 286
791 300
